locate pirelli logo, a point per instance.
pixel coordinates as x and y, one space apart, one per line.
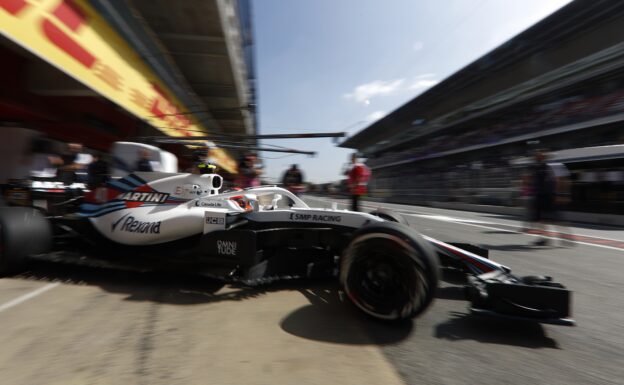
149 197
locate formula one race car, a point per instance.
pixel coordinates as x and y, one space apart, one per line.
258 235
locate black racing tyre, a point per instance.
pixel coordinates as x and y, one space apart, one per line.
390 216
389 271
23 232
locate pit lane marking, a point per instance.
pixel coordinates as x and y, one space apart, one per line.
530 235
576 238
27 296
450 219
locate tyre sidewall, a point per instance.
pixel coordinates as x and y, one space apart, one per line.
23 232
419 251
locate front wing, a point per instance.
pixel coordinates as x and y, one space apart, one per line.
493 290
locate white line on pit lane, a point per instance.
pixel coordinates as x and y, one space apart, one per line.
450 219
27 296
518 232
466 220
481 224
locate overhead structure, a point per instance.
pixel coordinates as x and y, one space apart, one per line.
210 44
241 141
131 68
309 135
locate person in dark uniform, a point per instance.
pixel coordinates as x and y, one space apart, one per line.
67 172
293 179
98 172
545 193
143 164
71 154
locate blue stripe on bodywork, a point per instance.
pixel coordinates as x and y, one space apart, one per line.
95 207
133 179
102 212
120 185
111 209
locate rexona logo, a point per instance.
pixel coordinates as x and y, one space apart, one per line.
315 217
131 225
151 197
226 247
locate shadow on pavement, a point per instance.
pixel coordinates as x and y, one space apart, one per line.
326 318
329 319
494 331
169 288
456 293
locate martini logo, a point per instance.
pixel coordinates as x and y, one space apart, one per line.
148 197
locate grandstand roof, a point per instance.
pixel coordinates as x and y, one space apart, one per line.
577 30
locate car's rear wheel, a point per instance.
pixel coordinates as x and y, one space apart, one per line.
23 232
389 272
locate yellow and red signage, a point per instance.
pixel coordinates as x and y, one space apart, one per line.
70 35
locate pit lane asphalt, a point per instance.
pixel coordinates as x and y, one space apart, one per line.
447 346
99 326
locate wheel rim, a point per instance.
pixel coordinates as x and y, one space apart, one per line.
383 279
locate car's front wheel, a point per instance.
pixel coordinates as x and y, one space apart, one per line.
389 271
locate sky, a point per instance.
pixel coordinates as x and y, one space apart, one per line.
339 65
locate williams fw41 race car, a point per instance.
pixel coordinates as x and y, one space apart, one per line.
259 235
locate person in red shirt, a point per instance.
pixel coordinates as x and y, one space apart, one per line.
358 175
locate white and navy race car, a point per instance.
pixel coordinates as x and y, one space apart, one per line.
259 235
